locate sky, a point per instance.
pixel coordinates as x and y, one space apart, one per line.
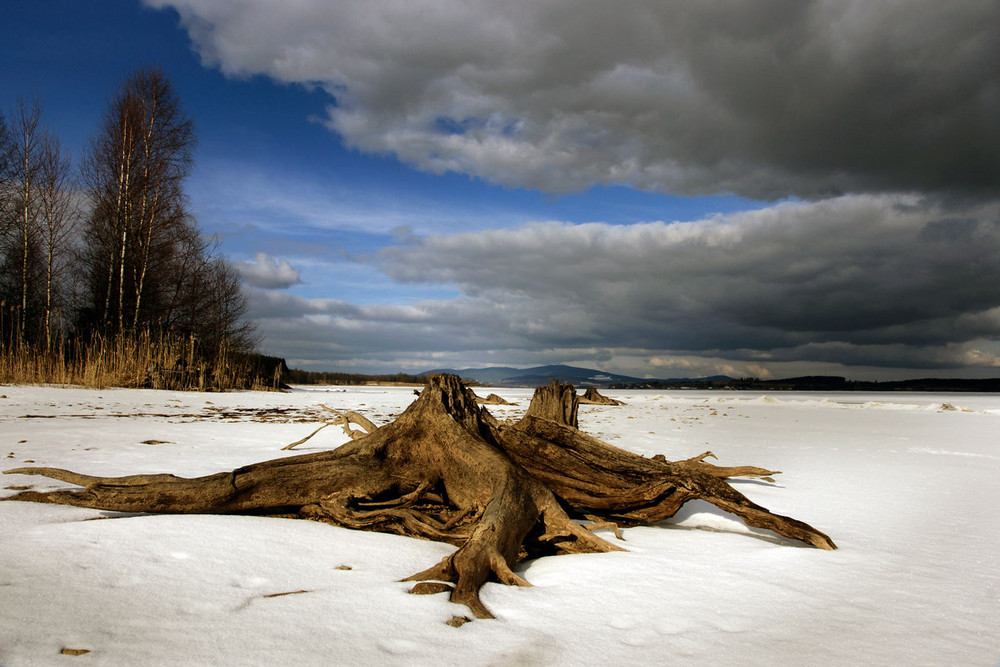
656 188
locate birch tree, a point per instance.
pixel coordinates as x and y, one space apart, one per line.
6 160
6 213
58 212
134 172
147 264
22 231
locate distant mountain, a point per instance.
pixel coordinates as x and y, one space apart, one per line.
501 376
493 375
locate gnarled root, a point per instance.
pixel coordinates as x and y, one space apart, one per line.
723 472
423 512
446 470
601 480
345 419
494 546
274 487
469 568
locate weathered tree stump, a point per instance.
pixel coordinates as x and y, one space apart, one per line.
555 402
493 399
594 397
446 470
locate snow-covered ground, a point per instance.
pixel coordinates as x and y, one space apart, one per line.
908 485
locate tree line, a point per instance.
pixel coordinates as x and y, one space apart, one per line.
824 383
106 246
299 376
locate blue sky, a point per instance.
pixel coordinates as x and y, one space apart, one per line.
661 190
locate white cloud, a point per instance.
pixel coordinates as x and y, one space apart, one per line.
268 272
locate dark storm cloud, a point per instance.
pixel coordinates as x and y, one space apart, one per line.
861 270
763 99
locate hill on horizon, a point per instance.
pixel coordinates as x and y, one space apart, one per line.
505 376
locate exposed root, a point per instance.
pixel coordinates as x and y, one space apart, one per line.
344 419
307 438
725 472
468 569
431 588
600 523
348 417
446 470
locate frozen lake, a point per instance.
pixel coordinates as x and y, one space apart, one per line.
905 484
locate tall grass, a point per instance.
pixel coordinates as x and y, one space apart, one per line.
143 359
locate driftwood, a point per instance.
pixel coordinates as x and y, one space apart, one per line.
447 470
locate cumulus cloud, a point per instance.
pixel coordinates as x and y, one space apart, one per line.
268 272
866 280
762 99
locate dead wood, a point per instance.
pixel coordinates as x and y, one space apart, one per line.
594 397
446 470
493 399
344 419
555 402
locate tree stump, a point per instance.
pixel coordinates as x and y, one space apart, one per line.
493 399
594 397
447 470
555 402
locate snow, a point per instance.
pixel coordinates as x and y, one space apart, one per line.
906 484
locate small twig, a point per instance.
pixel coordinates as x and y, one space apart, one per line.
344 419
278 595
299 442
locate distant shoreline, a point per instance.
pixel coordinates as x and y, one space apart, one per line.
927 385
826 384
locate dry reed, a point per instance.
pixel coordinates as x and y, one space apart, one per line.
132 360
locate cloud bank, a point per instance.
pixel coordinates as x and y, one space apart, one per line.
761 99
877 123
864 280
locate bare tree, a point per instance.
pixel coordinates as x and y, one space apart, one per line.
22 232
228 307
6 218
59 214
166 158
207 299
6 164
136 260
147 264
134 173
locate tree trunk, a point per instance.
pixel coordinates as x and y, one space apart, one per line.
26 136
148 210
446 470
58 216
